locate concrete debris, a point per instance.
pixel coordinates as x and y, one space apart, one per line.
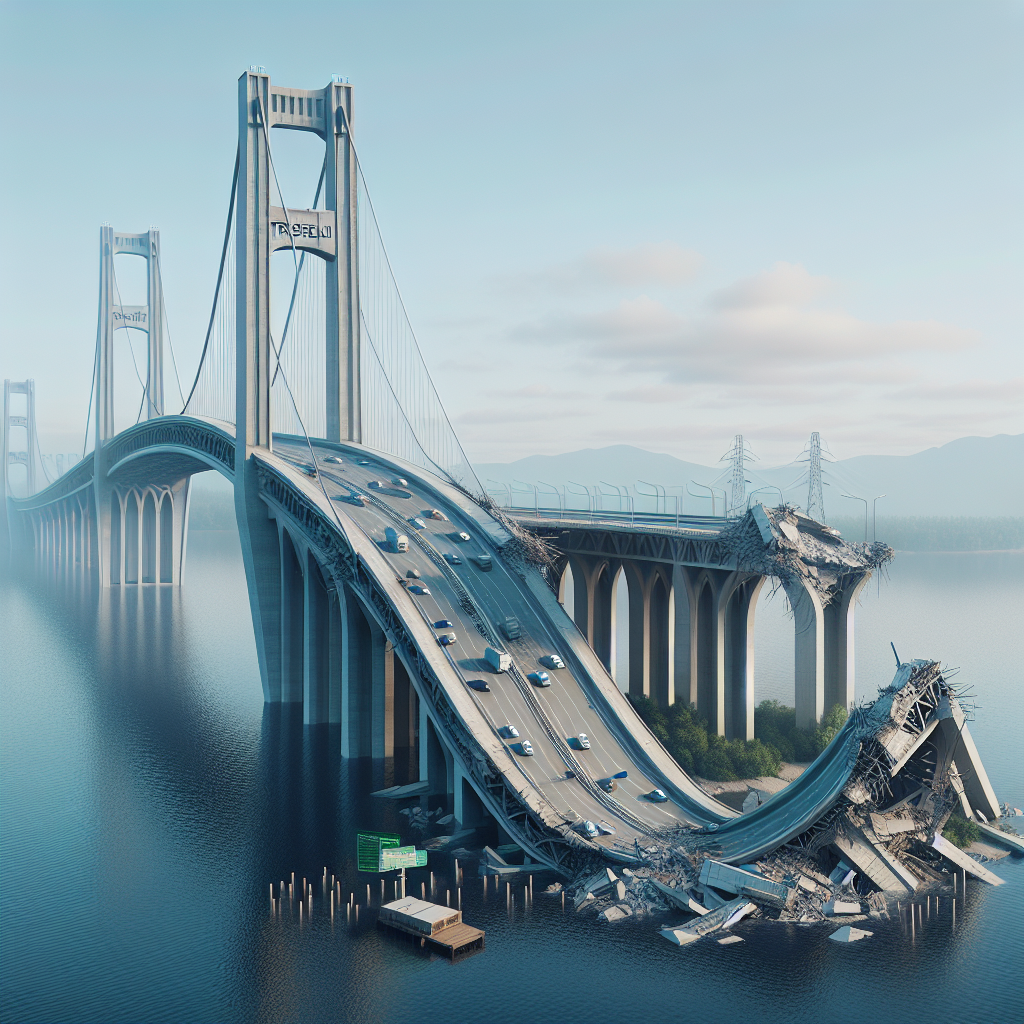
834 907
729 940
618 912
554 888
850 934
877 840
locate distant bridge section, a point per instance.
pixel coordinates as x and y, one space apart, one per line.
693 584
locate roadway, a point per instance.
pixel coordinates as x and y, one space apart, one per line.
549 717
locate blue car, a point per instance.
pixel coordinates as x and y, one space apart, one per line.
656 796
539 678
442 624
446 639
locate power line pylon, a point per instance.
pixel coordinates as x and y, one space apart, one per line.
738 455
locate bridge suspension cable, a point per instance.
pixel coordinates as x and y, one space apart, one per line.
213 391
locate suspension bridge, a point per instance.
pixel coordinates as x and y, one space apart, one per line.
383 583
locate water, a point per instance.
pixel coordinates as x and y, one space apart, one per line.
148 798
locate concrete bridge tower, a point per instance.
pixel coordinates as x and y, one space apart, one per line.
261 228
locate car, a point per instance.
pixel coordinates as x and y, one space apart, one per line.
588 828
335 459
436 513
608 785
539 678
508 732
656 796
418 523
461 537
552 661
351 499
400 481
525 748
308 468
484 561
479 685
711 826
581 742
417 589
376 485
452 559
364 462
605 828
442 624
412 574
447 639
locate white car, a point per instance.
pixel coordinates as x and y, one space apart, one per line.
461 536
508 732
336 459
436 513
400 481
418 523
526 749
552 661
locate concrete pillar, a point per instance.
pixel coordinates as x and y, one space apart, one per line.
809 627
382 695
737 669
424 745
292 605
316 645
459 782
336 655
357 679
839 653
602 603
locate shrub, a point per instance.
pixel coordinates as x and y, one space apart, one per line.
961 832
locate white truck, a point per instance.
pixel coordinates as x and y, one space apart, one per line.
395 541
499 661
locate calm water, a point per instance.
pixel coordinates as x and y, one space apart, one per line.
148 799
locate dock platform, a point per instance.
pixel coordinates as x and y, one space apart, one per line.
441 927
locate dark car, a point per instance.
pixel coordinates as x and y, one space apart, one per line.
447 639
478 684
656 796
442 624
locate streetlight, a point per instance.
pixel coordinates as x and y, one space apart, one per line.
558 495
874 531
865 500
767 487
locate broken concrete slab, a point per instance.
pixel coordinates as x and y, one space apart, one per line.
679 897
620 890
403 792
850 934
834 907
963 861
729 940
746 883
618 912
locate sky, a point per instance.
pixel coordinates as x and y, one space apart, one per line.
658 224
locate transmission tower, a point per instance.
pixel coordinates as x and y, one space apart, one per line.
814 455
738 455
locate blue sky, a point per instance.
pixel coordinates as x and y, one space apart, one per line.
650 223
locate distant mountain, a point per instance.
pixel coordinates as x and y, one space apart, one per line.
973 476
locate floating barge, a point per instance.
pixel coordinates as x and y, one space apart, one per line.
442 927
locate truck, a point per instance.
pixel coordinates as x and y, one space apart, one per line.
510 627
395 541
499 661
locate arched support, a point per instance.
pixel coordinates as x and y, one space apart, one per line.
809 661
651 644
737 605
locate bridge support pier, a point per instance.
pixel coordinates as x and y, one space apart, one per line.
824 656
594 604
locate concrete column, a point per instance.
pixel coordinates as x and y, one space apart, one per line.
684 627
602 603
292 609
582 612
316 645
424 744
383 695
459 782
809 623
357 679
336 655
737 670
839 653
651 644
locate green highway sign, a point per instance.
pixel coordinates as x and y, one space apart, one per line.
369 846
392 859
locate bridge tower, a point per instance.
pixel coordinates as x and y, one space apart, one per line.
26 458
112 317
261 228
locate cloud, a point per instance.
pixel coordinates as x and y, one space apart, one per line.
651 265
765 328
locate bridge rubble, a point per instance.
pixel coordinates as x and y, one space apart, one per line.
908 763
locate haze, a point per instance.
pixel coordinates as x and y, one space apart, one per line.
647 224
